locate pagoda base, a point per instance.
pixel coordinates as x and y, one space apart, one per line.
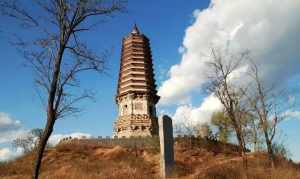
135 125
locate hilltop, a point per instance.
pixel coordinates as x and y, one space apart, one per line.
198 158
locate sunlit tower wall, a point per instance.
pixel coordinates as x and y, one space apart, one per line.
136 92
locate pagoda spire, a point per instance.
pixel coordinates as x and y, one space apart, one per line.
135 29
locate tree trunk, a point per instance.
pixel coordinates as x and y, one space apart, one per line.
241 145
242 148
42 145
239 135
51 113
270 150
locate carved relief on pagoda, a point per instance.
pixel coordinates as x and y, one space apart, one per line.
136 104
136 125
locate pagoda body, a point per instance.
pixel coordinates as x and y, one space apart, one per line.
136 94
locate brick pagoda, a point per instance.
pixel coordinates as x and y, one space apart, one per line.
136 94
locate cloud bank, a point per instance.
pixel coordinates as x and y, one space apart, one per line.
9 128
197 115
269 29
290 114
7 154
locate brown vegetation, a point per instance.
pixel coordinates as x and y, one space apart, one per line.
202 159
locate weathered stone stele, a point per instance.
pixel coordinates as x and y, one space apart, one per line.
166 145
136 92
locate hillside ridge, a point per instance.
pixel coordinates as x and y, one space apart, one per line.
88 159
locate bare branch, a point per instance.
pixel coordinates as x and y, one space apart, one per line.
12 8
57 55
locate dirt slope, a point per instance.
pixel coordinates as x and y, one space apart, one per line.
90 160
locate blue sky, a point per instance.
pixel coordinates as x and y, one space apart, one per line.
166 24
163 22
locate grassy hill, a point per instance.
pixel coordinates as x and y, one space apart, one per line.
87 159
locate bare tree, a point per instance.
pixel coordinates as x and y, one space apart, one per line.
26 143
222 66
254 135
29 141
267 104
57 54
186 127
38 133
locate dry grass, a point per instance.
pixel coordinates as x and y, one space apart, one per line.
236 171
77 161
91 160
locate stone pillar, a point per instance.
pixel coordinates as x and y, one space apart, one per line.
166 145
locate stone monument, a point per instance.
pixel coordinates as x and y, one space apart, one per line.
166 145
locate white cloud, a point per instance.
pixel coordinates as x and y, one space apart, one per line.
6 123
9 128
196 13
290 114
268 29
7 154
199 115
181 49
55 138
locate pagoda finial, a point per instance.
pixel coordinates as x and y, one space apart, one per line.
135 29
